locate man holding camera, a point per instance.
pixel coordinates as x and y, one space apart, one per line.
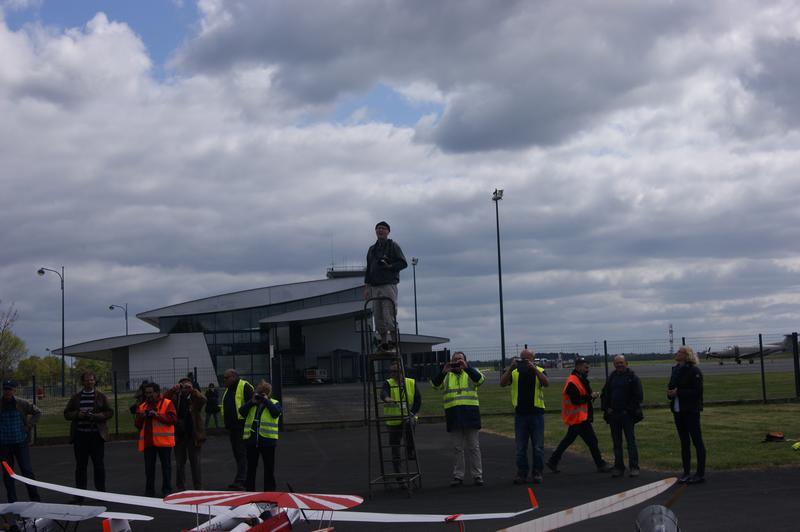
155 419
190 431
527 382
385 259
260 434
88 410
460 382
577 413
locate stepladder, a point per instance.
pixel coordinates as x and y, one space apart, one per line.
391 417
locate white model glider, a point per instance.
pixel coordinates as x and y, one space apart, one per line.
227 507
604 506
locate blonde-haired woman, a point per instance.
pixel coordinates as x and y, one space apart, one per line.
260 436
685 392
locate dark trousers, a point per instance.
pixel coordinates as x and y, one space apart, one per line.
623 424
586 432
688 425
185 448
267 453
19 451
239 454
215 416
396 433
163 454
89 445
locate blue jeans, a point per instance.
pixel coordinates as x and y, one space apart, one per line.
529 427
19 451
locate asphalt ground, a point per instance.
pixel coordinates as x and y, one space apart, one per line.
333 461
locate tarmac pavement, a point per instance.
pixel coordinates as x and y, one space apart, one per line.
333 461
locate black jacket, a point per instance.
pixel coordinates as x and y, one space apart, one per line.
634 395
688 380
388 272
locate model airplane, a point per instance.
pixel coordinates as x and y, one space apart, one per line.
739 353
45 517
266 511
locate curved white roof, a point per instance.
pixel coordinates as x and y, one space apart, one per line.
257 297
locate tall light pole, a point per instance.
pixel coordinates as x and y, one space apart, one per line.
124 308
414 262
496 197
41 272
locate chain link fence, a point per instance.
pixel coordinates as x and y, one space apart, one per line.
317 402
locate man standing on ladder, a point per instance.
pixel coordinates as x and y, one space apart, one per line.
396 405
385 259
460 382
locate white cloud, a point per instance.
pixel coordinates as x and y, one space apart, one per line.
645 188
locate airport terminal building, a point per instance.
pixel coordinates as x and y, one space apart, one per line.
311 328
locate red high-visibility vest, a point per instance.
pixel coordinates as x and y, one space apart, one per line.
163 435
570 413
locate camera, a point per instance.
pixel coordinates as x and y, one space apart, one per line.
150 413
259 396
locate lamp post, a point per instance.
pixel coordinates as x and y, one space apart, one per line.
125 309
414 262
41 272
496 197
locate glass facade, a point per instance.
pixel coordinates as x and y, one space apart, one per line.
236 339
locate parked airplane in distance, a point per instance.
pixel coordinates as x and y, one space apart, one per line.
739 353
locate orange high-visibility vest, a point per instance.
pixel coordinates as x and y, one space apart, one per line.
570 413
163 435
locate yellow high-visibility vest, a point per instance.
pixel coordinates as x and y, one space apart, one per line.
397 409
538 392
460 390
238 399
267 425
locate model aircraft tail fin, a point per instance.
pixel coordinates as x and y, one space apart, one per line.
534 502
8 469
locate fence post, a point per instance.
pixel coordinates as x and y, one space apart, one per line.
763 378
605 356
683 340
35 427
116 406
796 365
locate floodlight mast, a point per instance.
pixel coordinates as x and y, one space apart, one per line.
414 262
496 197
124 309
41 272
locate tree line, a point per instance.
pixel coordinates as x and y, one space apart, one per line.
16 364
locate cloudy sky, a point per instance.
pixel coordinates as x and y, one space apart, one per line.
648 153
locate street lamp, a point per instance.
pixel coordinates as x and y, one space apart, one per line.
414 262
41 272
496 197
124 308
